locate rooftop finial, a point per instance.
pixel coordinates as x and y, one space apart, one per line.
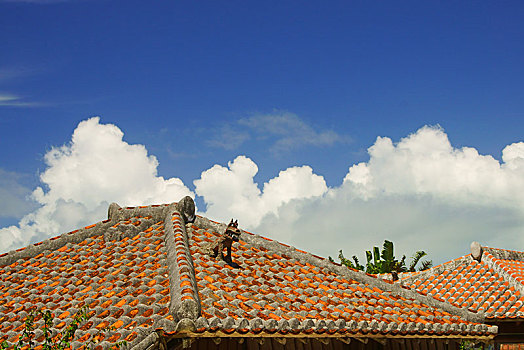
112 210
186 207
476 250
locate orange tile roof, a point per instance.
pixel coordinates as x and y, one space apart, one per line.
493 286
142 270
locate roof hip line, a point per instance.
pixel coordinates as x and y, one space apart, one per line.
185 303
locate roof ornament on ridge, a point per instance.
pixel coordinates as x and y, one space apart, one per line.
476 251
113 210
186 207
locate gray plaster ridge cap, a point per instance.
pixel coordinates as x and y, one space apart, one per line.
205 223
359 276
179 308
152 335
56 242
157 211
146 342
174 277
489 260
436 270
505 254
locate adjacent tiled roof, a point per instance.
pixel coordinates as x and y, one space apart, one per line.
493 285
142 272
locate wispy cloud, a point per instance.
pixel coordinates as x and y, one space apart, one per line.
16 74
290 132
9 100
42 2
229 138
283 130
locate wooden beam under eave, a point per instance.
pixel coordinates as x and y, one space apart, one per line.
509 330
313 344
360 337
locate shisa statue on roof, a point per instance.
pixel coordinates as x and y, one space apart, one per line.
216 248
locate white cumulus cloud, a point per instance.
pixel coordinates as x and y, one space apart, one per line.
83 177
425 163
422 193
231 191
419 192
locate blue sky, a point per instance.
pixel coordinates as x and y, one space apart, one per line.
285 84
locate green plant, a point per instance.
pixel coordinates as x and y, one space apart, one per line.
385 261
426 264
59 341
471 345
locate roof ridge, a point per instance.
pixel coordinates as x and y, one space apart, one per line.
185 302
157 211
359 276
505 254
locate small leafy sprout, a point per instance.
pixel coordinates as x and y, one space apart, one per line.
346 262
60 341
